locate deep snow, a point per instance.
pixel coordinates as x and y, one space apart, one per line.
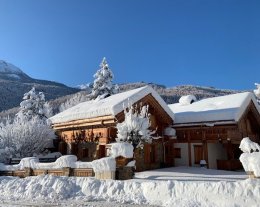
147 189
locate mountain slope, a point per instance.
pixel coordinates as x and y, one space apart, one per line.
14 83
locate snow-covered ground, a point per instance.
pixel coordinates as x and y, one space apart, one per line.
181 186
190 174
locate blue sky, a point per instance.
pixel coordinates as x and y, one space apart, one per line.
171 42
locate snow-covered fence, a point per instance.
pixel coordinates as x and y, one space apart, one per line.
83 172
64 166
250 158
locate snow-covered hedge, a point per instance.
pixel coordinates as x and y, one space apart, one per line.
250 158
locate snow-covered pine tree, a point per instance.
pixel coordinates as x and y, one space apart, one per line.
102 86
135 128
33 104
257 92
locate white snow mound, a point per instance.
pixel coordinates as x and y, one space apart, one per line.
122 149
104 165
187 100
246 145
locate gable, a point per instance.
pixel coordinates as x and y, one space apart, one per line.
155 109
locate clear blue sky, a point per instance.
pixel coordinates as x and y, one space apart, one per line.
171 42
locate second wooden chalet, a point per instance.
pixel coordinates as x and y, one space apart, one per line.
88 128
211 130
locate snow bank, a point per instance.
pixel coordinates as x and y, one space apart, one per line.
51 189
187 100
122 149
105 164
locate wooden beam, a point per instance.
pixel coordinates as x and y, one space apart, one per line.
86 122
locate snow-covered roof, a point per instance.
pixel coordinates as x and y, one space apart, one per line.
218 109
111 105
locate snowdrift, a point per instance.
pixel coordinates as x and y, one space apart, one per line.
51 189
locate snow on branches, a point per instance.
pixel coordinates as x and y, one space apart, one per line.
33 104
24 138
103 86
29 132
135 128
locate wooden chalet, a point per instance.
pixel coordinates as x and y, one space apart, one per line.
211 130
87 128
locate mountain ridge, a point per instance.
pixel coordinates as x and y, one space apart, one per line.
14 83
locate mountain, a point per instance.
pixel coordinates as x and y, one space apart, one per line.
170 95
14 83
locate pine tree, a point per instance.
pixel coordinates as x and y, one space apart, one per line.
33 104
103 86
135 128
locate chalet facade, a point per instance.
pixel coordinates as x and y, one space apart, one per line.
87 129
211 130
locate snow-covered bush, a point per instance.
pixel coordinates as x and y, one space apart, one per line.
250 158
135 128
29 132
103 86
24 137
